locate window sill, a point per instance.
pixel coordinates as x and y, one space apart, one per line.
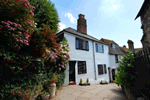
82 49
82 73
99 52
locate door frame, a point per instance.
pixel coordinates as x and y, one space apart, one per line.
109 74
74 70
113 75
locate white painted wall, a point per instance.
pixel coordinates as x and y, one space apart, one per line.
102 58
82 55
113 64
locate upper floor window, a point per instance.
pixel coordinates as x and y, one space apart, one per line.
116 57
113 46
82 44
81 67
99 48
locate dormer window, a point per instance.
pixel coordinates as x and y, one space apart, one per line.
113 46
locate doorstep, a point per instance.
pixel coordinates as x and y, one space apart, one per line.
72 83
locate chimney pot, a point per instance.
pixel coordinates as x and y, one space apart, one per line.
124 46
81 16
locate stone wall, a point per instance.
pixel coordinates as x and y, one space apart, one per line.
145 20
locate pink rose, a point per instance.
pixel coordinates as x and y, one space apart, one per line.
19 32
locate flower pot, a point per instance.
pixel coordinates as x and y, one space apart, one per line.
53 88
82 84
46 97
103 83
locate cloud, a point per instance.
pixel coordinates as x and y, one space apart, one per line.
115 6
110 6
61 26
71 18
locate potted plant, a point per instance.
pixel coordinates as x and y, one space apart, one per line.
84 84
45 95
87 81
106 82
103 82
80 81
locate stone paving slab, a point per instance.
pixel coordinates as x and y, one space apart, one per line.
93 92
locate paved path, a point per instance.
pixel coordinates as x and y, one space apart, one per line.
110 91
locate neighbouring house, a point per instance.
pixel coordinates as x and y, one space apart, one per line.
89 57
115 55
144 13
130 42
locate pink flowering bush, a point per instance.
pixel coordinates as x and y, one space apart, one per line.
57 59
16 22
19 74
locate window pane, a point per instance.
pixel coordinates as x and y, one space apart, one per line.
113 46
105 68
87 45
77 43
103 48
96 47
80 44
100 69
116 57
81 67
84 44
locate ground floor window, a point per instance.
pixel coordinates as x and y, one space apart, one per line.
102 69
82 67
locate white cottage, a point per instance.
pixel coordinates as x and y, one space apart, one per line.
89 57
115 55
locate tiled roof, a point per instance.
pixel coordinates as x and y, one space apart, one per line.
112 51
125 49
75 32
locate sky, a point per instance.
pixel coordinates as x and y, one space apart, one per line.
109 19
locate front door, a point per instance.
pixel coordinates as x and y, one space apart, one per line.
113 74
109 74
72 71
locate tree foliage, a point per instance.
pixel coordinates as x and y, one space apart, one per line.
126 70
45 11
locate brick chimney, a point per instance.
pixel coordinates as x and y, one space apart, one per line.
131 46
81 25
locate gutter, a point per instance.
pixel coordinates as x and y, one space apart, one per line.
94 60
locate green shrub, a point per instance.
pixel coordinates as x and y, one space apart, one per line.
101 81
87 80
80 80
126 70
60 80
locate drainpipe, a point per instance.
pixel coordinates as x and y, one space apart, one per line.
94 60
